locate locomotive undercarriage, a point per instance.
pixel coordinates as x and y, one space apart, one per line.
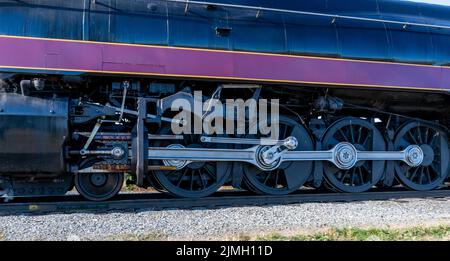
326 137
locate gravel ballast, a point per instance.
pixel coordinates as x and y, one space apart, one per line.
226 223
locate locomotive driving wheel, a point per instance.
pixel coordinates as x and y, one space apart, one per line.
364 137
98 186
434 143
193 180
289 176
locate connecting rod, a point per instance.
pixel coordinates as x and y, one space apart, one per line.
344 155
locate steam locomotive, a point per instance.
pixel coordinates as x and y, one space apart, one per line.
87 89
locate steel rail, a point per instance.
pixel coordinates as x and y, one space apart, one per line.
333 16
158 201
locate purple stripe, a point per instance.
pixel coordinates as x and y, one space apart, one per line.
38 53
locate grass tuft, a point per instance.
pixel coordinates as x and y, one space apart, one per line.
371 234
133 237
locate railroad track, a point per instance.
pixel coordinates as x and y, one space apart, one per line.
158 201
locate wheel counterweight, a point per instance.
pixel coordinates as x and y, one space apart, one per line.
289 176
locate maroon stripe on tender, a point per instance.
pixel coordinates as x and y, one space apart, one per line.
86 56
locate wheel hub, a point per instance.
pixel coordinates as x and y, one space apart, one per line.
414 155
266 160
98 179
345 155
179 164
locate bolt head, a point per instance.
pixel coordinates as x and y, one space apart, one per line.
291 143
117 152
345 155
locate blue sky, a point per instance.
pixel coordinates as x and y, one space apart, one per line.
443 2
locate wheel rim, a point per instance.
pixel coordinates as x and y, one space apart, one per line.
290 176
98 186
365 137
434 144
198 179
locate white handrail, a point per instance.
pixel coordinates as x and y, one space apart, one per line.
334 16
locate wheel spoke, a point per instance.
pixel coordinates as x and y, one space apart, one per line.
414 141
338 174
419 135
276 177
415 172
182 176
267 177
171 173
422 175
428 175
361 178
426 135
433 138
346 174
353 174
407 173
343 135
434 168
192 180
352 135
366 144
204 182
210 173
360 134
